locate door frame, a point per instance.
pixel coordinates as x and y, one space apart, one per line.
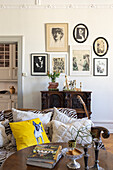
19 41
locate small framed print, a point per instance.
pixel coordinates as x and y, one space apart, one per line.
58 62
57 37
80 60
100 46
100 67
80 33
39 64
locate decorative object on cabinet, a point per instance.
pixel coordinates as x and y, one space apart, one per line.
67 99
57 37
100 46
39 64
66 83
100 67
53 85
58 63
80 33
71 85
8 61
12 89
80 60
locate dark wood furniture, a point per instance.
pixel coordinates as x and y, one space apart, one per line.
67 99
17 161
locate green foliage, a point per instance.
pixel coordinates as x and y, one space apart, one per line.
82 132
53 75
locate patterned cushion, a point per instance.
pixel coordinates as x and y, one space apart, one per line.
8 115
64 132
69 112
2 115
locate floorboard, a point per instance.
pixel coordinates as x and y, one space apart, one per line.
108 143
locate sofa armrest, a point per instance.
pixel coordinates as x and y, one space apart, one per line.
97 130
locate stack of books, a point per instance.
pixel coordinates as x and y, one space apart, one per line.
45 156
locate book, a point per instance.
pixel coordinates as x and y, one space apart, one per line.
45 155
44 164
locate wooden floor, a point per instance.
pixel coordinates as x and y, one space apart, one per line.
108 143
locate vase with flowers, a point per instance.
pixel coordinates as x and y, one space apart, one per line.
53 84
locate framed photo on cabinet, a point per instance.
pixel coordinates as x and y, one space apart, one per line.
100 67
57 37
58 62
100 46
80 60
39 64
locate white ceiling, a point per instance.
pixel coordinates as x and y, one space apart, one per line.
55 3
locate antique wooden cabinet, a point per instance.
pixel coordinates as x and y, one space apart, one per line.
67 99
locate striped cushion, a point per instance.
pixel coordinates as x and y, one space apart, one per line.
2 115
8 115
69 112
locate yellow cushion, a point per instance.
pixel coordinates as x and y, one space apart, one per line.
28 133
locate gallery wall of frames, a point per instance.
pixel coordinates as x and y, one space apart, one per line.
70 59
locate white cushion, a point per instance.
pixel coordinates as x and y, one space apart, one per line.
3 137
57 115
19 115
65 132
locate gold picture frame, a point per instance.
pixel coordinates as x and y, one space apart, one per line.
57 37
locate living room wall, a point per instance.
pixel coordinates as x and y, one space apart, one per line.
30 23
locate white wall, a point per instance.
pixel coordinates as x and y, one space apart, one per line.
31 24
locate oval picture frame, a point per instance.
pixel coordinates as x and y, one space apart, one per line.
80 33
100 46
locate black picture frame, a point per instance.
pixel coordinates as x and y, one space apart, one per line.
39 64
100 46
80 29
100 66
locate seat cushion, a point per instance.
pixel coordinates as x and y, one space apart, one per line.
28 133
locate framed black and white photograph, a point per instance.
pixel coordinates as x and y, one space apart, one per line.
100 46
80 33
57 37
100 67
39 64
80 60
58 63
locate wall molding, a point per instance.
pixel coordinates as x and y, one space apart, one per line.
38 5
107 124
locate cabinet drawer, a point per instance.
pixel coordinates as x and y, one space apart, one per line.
3 97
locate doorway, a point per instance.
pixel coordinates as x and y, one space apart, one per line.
18 40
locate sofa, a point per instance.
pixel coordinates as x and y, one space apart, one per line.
58 124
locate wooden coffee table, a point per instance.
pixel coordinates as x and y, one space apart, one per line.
17 161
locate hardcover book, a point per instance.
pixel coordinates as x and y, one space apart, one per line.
45 155
44 164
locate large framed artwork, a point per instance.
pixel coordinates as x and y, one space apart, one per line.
58 62
100 66
80 60
57 37
39 64
100 46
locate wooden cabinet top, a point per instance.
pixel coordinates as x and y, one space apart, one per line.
66 91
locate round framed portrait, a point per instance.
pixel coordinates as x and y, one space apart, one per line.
80 33
100 46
